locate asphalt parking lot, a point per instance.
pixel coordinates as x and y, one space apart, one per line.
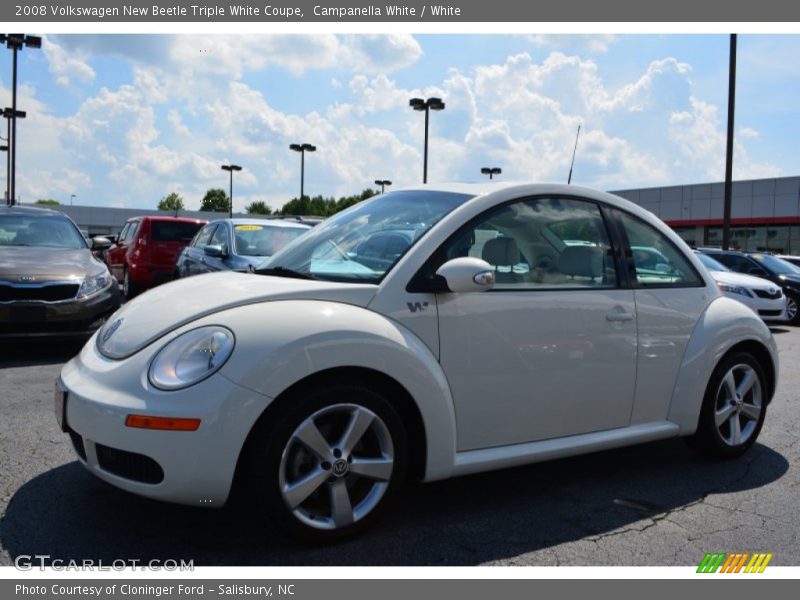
655 504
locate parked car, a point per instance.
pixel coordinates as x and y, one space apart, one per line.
782 273
327 383
795 260
235 245
144 255
765 298
50 283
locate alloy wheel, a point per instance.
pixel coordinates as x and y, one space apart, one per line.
791 309
336 466
738 405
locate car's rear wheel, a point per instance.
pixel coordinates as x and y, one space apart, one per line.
329 465
734 407
129 289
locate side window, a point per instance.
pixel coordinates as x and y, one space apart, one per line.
132 227
541 243
658 262
220 237
123 233
203 238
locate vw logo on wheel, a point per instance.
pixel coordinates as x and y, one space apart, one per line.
340 467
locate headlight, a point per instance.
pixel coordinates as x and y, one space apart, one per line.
735 289
191 357
94 283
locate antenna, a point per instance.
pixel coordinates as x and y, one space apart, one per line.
569 179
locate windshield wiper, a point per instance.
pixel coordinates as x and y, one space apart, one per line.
284 272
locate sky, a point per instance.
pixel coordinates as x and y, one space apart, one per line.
124 120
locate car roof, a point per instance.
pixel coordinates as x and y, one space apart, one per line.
31 211
266 221
166 218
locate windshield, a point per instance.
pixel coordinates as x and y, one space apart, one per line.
43 231
361 244
253 239
710 263
775 264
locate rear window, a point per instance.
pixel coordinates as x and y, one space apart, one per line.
178 231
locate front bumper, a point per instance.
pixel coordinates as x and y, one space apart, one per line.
186 467
66 319
769 309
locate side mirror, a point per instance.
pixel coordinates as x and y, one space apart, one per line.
467 274
100 243
215 250
758 272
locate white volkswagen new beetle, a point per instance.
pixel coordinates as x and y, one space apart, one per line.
426 333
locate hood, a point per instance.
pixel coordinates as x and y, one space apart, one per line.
748 281
172 305
46 264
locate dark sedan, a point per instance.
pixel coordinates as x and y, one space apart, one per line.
50 283
236 245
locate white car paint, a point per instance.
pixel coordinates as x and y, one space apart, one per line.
500 379
762 296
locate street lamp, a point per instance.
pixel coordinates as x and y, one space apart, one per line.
71 198
383 183
231 169
8 115
491 171
426 105
302 149
15 42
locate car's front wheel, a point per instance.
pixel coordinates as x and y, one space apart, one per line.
734 407
792 315
331 462
129 289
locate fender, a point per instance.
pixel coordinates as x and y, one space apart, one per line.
297 338
724 324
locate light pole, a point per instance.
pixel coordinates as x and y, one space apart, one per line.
16 42
71 198
302 149
426 105
491 171
383 183
231 169
8 115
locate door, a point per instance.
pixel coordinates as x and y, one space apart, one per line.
221 238
116 255
551 350
193 256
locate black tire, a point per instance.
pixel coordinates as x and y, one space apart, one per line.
129 289
276 459
792 312
733 408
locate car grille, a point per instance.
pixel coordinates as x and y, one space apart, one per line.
766 294
770 313
45 293
129 465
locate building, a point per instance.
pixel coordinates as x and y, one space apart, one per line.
765 213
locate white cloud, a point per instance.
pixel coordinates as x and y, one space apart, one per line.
597 44
66 67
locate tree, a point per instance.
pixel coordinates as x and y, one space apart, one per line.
323 207
48 202
258 207
172 202
215 200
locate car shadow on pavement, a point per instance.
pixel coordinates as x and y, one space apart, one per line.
68 514
42 352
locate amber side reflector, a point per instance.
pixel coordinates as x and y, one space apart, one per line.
163 423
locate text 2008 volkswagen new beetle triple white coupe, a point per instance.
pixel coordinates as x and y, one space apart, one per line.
426 333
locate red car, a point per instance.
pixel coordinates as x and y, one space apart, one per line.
146 249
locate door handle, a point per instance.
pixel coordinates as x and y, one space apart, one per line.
619 316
